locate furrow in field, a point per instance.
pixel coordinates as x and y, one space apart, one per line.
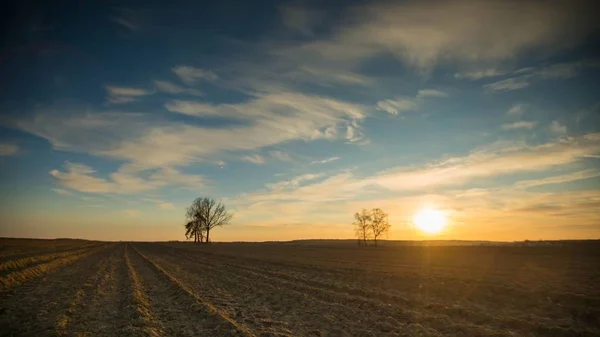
104 305
418 279
180 310
263 302
431 313
32 309
16 278
69 322
247 308
26 252
25 262
377 298
484 312
442 318
142 320
487 314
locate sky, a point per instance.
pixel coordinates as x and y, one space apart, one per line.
115 116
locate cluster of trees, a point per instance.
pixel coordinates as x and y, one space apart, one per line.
203 215
370 225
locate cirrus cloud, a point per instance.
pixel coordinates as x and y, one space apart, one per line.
7 149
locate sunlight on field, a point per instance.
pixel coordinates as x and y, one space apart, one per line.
431 221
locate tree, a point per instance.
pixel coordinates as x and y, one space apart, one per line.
361 224
191 230
194 225
370 224
194 229
203 215
379 223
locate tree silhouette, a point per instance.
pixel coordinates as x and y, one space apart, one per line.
194 229
370 224
190 231
203 215
379 223
361 224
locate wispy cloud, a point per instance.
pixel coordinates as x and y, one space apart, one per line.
397 106
137 138
422 35
127 18
425 93
161 204
254 159
354 133
517 109
61 191
129 179
342 186
193 108
280 155
558 128
509 84
403 104
130 25
567 205
119 95
488 163
326 160
340 193
479 74
166 205
328 76
171 88
519 125
190 75
7 149
564 70
586 174
125 91
528 76
293 183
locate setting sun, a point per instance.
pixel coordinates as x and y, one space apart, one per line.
430 221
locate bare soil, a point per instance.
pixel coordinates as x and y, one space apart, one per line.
184 289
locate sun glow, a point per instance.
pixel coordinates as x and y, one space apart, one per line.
430 220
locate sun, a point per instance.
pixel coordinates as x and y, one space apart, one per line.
430 220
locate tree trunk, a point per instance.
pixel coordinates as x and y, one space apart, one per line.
207 233
375 239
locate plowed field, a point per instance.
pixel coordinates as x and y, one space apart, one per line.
83 288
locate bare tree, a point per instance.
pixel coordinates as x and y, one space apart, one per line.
193 227
190 231
361 224
379 223
206 214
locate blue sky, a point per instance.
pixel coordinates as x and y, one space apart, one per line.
114 117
